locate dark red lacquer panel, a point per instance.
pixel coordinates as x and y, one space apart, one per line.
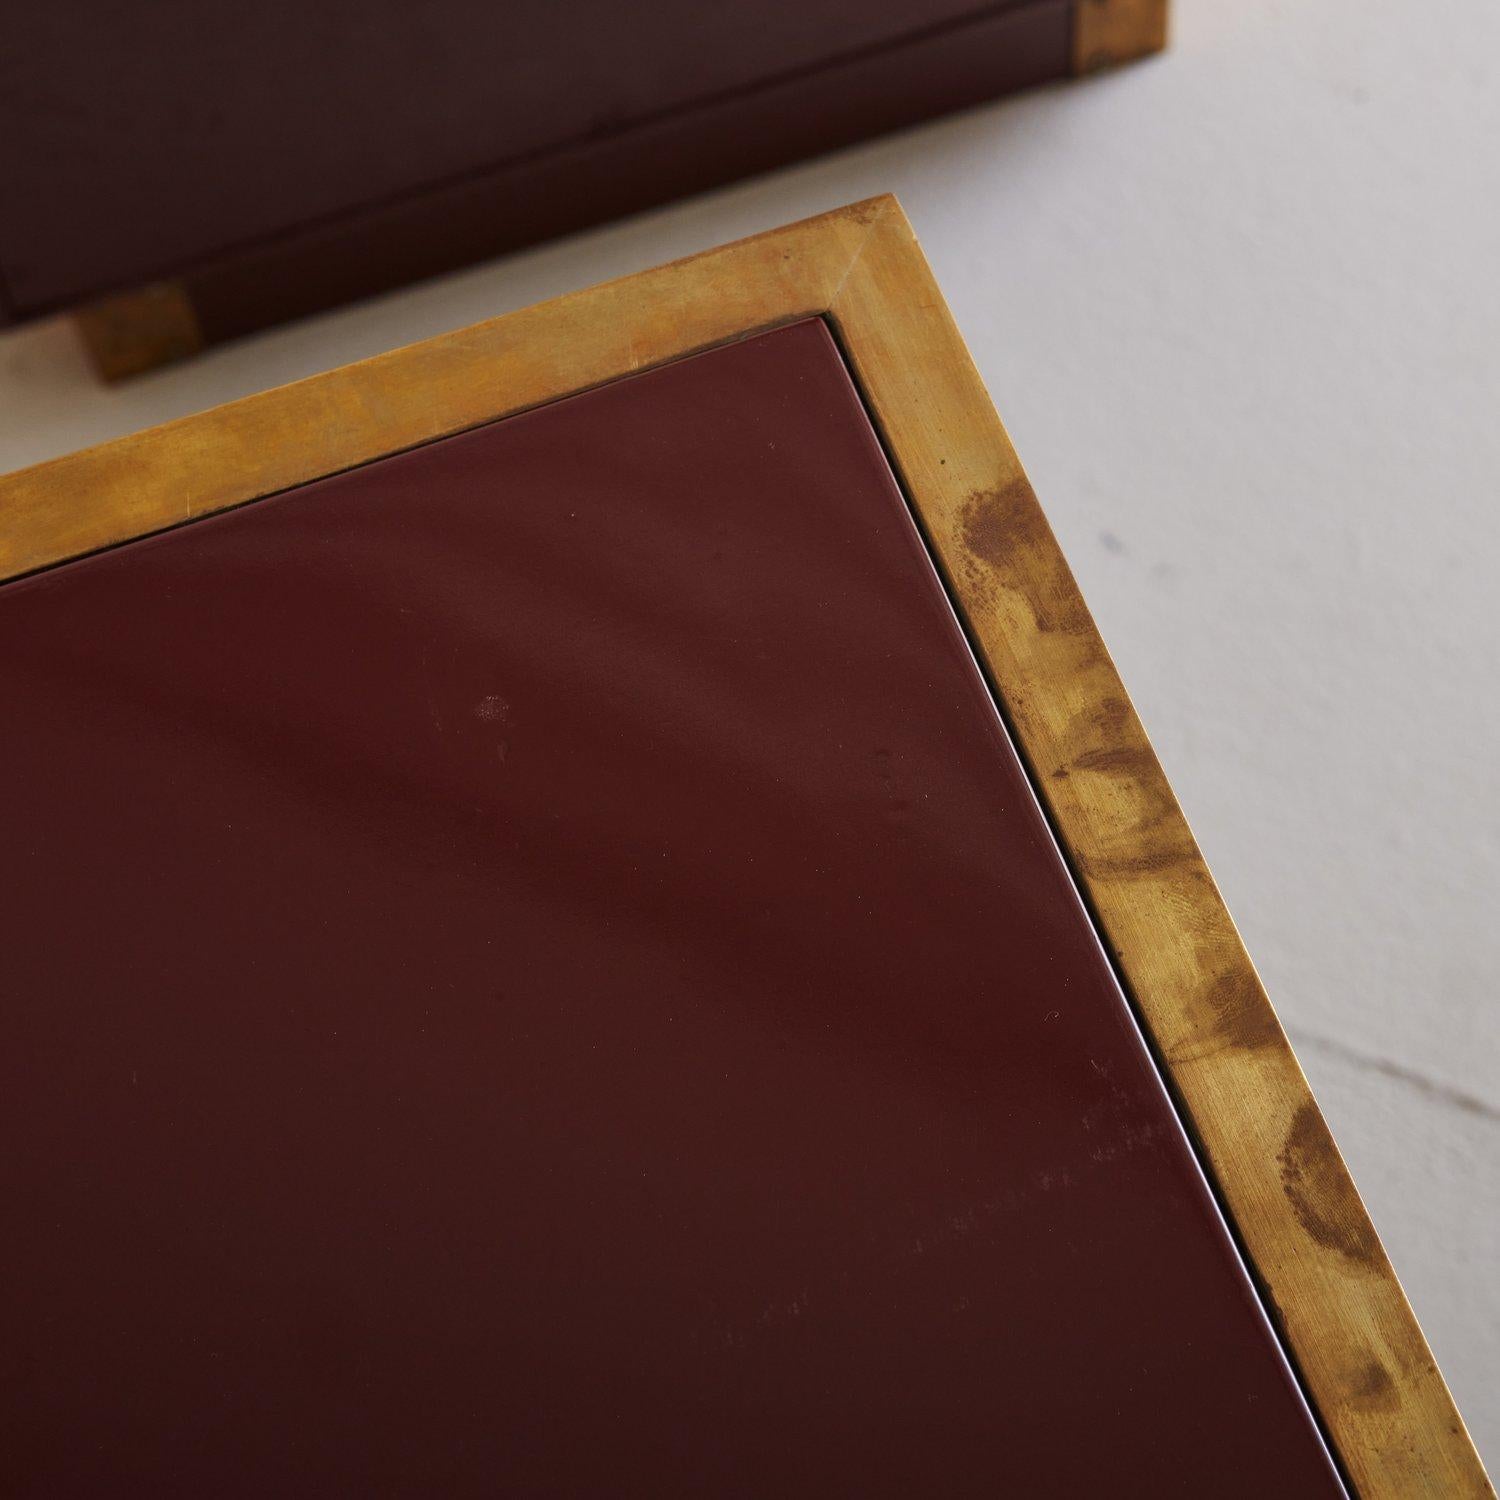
532 968
281 158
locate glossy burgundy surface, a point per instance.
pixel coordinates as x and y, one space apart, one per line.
532 968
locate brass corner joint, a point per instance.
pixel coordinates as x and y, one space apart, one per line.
1109 32
136 331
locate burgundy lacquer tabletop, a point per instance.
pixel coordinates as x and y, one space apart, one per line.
532 968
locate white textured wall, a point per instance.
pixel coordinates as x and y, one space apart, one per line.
1238 307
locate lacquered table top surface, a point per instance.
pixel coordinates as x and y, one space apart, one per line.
532 967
